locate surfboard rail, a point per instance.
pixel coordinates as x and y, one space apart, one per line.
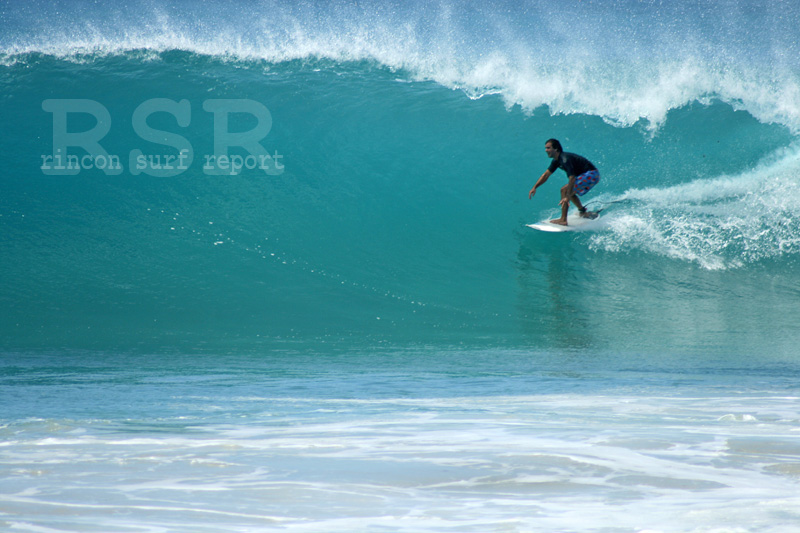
574 223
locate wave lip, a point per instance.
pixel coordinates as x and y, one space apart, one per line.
634 64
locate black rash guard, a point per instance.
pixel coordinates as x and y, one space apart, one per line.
572 164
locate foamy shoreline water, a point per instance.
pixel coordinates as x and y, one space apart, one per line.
221 454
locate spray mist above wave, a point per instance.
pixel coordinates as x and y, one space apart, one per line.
726 222
629 62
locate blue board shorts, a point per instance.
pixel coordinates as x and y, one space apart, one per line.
586 181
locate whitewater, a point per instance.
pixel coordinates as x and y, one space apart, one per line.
264 266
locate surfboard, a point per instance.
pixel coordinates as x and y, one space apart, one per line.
574 223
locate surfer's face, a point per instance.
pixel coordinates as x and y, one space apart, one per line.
551 152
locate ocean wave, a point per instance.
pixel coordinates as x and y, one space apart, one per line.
637 63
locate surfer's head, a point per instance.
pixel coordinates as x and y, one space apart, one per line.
552 147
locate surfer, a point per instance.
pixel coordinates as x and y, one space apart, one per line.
582 174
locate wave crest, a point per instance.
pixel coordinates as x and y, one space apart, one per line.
632 64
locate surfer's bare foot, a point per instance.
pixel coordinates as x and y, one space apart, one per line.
559 222
588 214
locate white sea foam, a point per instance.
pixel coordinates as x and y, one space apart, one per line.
530 56
718 223
427 464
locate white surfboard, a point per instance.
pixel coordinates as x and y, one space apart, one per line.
574 223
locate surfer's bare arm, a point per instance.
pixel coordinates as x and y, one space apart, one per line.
539 183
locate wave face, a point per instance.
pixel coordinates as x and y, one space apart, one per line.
407 136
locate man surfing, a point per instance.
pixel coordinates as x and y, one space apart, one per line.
582 174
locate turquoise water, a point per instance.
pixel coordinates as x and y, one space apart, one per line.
364 335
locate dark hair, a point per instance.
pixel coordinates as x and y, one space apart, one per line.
555 144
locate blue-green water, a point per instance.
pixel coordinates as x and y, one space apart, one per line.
364 334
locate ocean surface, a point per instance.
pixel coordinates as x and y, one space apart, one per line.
264 267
